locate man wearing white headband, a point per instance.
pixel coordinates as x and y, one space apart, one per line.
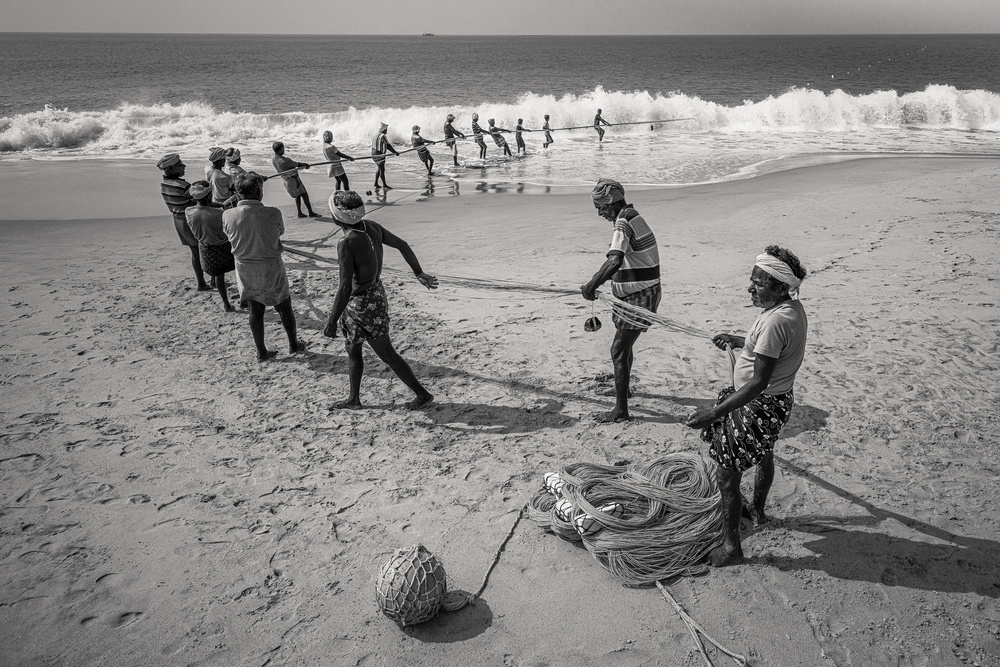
361 309
449 137
633 267
743 425
381 146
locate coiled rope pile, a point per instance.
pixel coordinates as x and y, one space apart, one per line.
672 515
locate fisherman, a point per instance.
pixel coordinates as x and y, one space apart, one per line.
449 136
176 194
517 136
380 147
233 159
598 121
209 166
255 230
633 266
420 144
222 190
205 222
360 307
745 421
334 155
548 135
498 138
478 133
288 169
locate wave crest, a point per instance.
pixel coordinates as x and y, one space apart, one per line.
145 130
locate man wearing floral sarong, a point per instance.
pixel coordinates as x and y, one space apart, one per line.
361 308
743 425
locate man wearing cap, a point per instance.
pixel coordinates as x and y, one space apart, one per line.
288 169
449 136
336 170
360 308
233 159
175 191
205 222
420 144
255 230
633 267
380 147
222 190
743 425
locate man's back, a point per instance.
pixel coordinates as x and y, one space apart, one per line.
254 230
362 247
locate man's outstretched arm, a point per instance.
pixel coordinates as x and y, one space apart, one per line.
393 241
603 275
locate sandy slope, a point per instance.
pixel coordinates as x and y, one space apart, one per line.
164 499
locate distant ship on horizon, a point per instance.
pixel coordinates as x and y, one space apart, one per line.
428 34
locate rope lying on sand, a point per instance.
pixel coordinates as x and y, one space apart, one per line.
672 516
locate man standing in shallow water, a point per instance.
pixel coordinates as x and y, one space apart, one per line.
361 308
745 421
633 266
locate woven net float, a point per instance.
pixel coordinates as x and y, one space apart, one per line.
410 585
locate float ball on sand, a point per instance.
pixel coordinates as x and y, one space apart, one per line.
410 585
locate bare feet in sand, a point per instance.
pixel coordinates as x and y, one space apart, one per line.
205 288
271 354
419 402
347 404
229 308
300 346
613 417
721 556
756 516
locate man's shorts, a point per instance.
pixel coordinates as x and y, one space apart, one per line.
648 298
741 439
366 315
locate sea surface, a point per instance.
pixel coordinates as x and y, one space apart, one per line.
706 108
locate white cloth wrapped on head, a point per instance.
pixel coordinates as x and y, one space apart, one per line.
779 270
347 207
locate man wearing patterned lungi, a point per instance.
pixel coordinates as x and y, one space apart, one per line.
361 308
743 425
633 267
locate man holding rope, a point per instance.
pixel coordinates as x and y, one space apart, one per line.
288 169
598 121
254 231
380 147
449 137
361 308
744 424
633 266
176 194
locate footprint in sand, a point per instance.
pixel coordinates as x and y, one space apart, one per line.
127 618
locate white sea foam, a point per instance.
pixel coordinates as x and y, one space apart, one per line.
717 142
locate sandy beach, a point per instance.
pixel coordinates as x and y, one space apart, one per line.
166 500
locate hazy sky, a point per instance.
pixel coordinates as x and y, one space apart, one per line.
515 17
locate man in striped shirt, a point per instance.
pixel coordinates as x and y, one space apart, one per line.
175 191
633 267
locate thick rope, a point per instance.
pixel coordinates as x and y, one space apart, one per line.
672 516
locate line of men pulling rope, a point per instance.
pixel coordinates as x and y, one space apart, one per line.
741 427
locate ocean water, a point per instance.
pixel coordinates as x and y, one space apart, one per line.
721 107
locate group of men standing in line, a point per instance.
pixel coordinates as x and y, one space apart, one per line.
741 427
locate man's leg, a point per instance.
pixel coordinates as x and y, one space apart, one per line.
762 481
287 316
730 551
312 213
220 284
621 360
257 329
387 353
355 369
430 166
198 272
298 206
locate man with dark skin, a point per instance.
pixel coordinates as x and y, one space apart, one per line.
598 121
380 148
449 137
744 424
288 168
360 308
633 267
175 191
